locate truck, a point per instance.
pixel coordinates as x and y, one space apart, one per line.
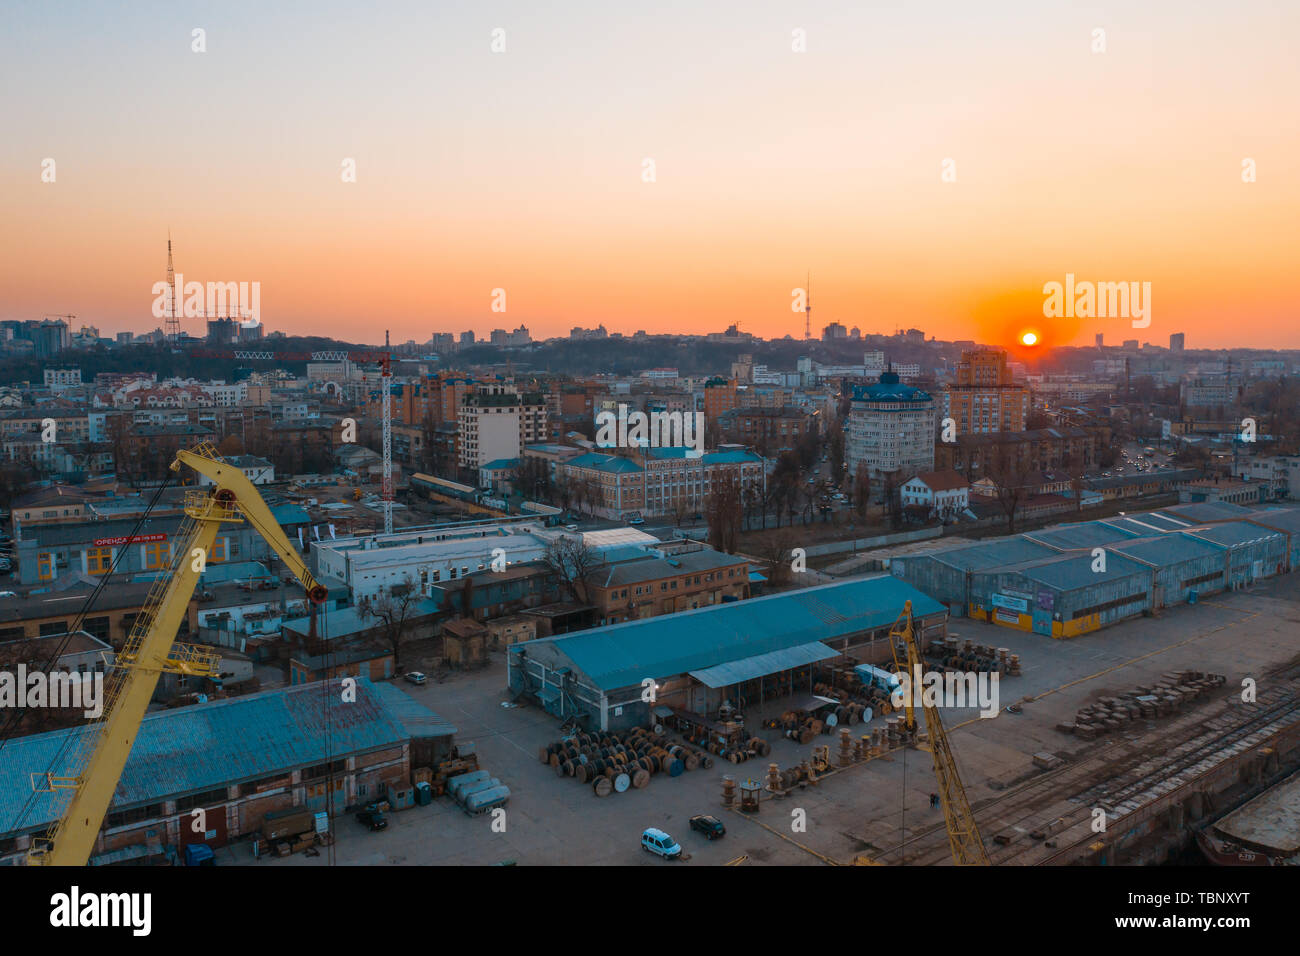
878 678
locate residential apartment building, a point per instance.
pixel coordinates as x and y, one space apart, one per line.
720 395
1073 449
891 429
768 430
497 421
657 482
985 398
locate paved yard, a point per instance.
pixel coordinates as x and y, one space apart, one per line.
866 808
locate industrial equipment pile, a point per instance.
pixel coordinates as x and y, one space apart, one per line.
1174 689
614 763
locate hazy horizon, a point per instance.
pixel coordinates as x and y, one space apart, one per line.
523 170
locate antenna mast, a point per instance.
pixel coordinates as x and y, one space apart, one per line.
386 381
807 308
173 322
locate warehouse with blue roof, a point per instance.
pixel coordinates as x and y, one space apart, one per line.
237 759
696 659
1074 578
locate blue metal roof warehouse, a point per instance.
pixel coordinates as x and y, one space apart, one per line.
707 649
200 748
1073 578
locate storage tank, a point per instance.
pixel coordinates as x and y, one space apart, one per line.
455 784
485 800
470 789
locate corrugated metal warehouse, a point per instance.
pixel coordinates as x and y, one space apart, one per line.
1287 521
1254 552
1064 595
698 658
1074 578
238 759
946 575
1185 566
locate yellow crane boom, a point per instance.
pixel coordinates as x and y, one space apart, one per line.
151 650
963 834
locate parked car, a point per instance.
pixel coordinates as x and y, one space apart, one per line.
373 817
710 826
661 844
415 677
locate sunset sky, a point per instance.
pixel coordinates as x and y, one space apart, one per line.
522 170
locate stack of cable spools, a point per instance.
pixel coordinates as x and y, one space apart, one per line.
613 763
859 702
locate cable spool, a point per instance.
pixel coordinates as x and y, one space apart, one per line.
675 767
691 761
544 754
602 787
831 720
582 773
659 728
622 782
641 779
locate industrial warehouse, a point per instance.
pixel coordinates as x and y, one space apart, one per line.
749 651
1075 578
237 760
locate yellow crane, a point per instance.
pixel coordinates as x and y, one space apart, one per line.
151 650
963 834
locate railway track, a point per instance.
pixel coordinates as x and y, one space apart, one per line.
1117 775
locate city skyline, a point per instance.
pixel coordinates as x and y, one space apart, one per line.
520 170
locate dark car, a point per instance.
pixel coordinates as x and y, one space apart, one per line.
373 818
711 827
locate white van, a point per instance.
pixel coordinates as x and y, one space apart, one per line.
659 843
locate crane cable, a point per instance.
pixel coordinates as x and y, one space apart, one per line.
13 722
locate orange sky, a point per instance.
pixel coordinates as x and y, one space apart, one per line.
523 170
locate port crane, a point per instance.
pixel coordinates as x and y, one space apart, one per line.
963 834
151 650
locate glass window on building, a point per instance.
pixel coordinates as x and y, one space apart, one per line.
99 560
157 556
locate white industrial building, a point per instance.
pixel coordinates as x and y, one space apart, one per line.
372 565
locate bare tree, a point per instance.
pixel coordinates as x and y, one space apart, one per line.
392 609
725 510
1012 475
573 564
862 489
776 552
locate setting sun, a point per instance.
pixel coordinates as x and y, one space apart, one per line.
1029 338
